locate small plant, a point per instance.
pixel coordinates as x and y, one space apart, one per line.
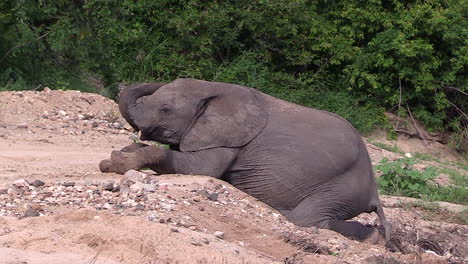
387 147
399 178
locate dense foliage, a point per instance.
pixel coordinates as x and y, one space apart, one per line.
352 57
400 178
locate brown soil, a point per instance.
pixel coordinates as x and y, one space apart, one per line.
59 137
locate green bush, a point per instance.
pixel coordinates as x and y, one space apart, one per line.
344 56
399 178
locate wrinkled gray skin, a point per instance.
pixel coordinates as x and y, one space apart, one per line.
310 165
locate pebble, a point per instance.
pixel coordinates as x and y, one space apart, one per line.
22 125
219 234
213 197
37 183
21 183
195 243
174 230
31 213
109 186
204 193
68 184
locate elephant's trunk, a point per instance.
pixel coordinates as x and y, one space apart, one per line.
129 95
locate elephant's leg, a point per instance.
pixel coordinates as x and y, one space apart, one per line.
321 213
210 162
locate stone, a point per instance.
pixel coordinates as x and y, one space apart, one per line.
12 192
213 197
166 206
22 125
46 90
21 183
418 167
109 186
133 175
204 193
116 188
174 230
63 113
30 212
68 184
37 183
219 234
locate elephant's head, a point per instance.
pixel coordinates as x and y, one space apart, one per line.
194 114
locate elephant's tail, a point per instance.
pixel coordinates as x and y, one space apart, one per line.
383 222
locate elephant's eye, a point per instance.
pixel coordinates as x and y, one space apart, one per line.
165 109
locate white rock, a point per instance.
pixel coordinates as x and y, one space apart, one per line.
219 234
408 155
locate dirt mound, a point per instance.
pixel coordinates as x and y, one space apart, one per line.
56 207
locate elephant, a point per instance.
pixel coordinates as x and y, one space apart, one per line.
310 165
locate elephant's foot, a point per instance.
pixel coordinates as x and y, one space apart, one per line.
106 166
374 238
125 161
120 162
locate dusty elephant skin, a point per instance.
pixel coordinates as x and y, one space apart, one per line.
310 165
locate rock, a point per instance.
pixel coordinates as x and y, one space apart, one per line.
116 188
12 192
195 243
31 213
134 176
174 230
201 208
109 186
418 167
37 183
213 197
137 187
166 206
408 155
68 184
117 125
46 90
95 124
219 234
22 125
204 193
21 183
88 116
63 113
193 228
3 191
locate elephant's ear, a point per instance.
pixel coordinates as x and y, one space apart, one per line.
231 118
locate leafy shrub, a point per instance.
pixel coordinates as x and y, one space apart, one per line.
398 178
349 57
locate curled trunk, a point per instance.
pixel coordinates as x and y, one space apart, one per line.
129 95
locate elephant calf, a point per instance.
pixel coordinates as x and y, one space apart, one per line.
310 165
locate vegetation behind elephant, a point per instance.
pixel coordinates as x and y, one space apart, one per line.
310 165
